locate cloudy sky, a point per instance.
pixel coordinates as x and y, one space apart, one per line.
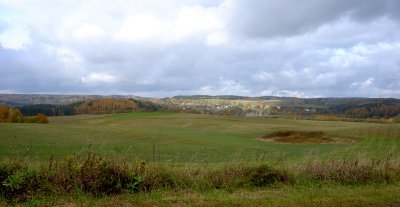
304 48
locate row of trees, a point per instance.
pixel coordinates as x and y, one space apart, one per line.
349 111
382 111
111 106
10 115
49 109
90 106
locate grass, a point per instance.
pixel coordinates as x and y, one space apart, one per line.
95 178
298 196
171 137
337 195
164 159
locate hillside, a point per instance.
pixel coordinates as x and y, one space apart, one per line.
112 106
90 106
51 99
267 106
55 105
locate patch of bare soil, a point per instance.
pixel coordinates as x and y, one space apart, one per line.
306 137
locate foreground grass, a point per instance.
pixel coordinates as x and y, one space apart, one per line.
321 195
94 180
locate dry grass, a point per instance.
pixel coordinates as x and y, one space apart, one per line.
66 119
317 137
97 176
338 195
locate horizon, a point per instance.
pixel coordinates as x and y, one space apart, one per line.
193 95
313 49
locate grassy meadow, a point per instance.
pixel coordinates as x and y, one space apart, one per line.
164 159
179 137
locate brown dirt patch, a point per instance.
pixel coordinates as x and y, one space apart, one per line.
310 137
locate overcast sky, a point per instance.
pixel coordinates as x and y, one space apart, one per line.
304 48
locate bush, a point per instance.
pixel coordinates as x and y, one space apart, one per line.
98 176
241 176
352 171
17 182
379 120
264 175
40 118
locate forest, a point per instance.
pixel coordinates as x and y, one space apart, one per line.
10 115
90 106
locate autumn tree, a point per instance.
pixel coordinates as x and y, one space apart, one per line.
3 113
10 115
15 116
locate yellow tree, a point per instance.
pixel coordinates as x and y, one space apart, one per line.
16 116
3 113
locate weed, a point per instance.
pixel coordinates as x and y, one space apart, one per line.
134 182
20 184
98 176
264 175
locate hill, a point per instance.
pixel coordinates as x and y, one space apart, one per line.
269 105
113 105
90 106
54 105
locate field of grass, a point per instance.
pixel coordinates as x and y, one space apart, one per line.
374 195
164 159
179 137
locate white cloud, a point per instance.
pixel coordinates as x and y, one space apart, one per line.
363 84
290 73
262 76
196 20
189 22
216 39
15 38
139 27
325 79
98 78
343 58
87 31
286 93
224 87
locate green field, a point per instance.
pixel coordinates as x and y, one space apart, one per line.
180 137
179 159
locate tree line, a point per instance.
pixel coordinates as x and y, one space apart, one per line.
91 106
14 115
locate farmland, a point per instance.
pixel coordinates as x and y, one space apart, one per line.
194 159
179 137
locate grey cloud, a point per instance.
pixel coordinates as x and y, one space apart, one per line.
254 18
335 59
3 26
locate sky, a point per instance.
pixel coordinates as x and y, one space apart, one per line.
163 48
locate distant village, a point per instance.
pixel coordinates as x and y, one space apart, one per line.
231 107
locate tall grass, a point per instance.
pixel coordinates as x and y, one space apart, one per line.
100 176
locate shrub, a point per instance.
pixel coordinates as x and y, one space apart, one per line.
7 170
40 118
352 171
264 175
20 184
241 176
99 176
379 120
